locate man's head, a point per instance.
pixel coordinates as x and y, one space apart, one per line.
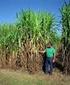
49 44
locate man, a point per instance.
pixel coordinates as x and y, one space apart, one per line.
50 57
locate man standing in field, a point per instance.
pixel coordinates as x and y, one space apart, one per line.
50 57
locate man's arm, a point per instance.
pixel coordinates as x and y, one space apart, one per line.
42 51
54 55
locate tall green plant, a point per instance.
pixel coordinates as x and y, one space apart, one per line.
65 12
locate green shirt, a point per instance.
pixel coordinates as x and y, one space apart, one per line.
50 52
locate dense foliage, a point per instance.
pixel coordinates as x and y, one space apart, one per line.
65 12
21 42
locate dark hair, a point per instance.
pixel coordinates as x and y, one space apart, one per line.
49 44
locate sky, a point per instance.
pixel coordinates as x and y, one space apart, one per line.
9 8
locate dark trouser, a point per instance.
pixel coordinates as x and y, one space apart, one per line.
49 65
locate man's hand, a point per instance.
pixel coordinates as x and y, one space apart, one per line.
54 59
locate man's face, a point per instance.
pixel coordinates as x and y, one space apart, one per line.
49 45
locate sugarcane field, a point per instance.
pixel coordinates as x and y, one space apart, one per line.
35 49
